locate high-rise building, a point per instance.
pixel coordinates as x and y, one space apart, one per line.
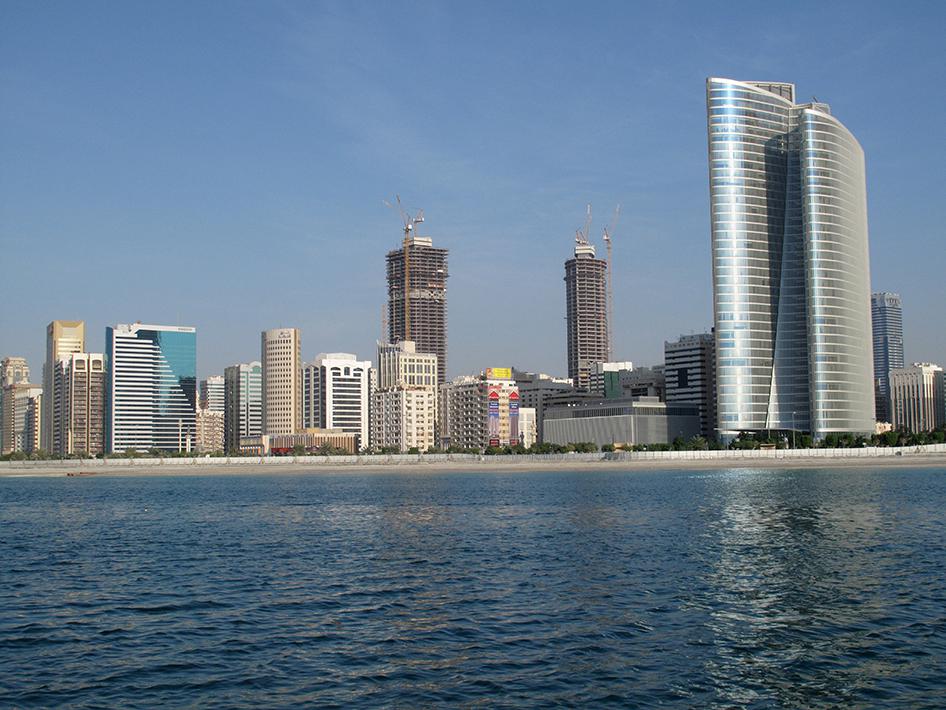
404 404
916 397
243 403
212 394
791 280
586 312
886 311
281 382
690 376
14 371
336 395
427 268
152 387
20 418
477 412
79 385
63 337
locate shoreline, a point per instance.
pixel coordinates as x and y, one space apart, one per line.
198 467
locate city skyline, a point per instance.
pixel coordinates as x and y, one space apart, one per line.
168 178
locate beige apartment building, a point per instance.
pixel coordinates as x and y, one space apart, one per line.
281 351
78 389
63 337
20 418
916 397
477 412
404 406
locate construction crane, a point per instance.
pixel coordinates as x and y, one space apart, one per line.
608 234
410 231
581 235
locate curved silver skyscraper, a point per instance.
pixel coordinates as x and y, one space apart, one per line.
791 279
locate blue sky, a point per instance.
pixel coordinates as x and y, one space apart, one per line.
223 164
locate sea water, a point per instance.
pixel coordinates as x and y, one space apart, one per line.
727 587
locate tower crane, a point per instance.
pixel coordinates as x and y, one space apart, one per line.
581 235
608 233
410 231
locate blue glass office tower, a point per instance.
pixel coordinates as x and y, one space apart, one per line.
791 279
886 312
152 387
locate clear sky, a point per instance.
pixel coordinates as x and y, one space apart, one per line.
223 164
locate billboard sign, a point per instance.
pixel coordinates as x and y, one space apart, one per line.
498 373
513 418
492 409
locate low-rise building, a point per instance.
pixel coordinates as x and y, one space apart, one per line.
621 422
528 430
311 440
916 397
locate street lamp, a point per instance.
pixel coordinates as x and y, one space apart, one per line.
793 429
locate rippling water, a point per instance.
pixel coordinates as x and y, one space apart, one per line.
731 588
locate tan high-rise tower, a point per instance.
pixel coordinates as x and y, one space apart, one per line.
63 337
281 351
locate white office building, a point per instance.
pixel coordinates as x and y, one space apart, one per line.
336 395
152 387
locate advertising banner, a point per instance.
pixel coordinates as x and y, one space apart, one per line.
498 373
492 423
513 418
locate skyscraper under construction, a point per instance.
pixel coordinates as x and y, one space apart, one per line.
424 319
586 311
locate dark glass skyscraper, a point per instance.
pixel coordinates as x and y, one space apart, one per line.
791 279
886 313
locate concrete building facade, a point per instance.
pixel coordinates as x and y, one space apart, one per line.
63 337
79 385
21 418
336 395
916 397
281 381
404 404
690 376
427 296
243 403
886 311
14 371
623 422
536 389
477 412
605 378
213 394
586 313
